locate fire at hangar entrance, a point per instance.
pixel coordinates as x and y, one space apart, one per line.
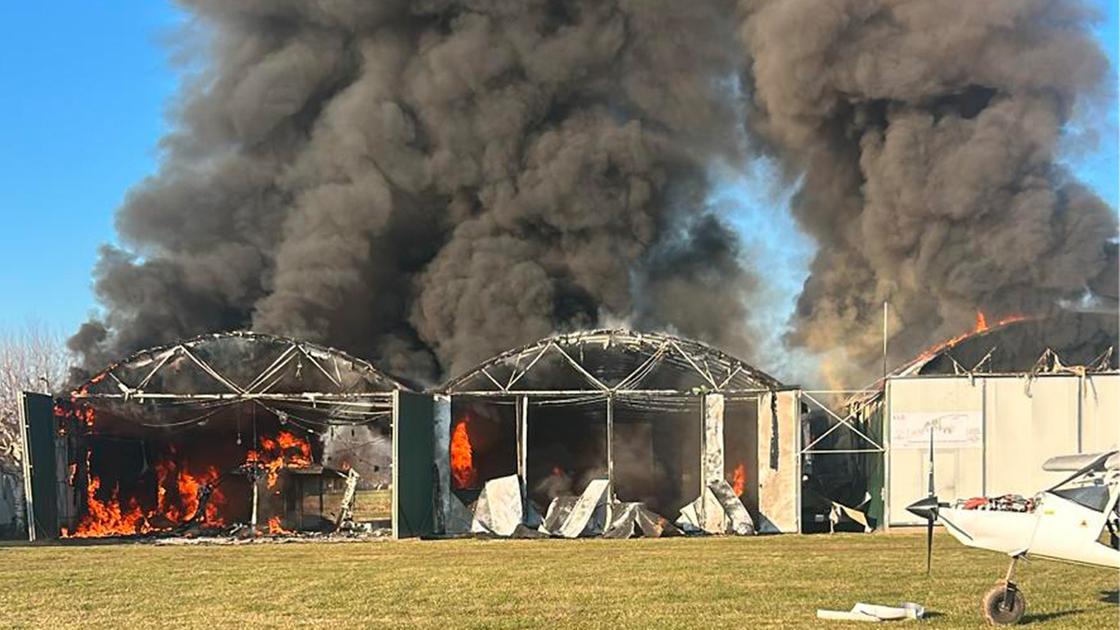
614 432
236 433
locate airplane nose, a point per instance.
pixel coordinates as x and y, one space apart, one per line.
924 508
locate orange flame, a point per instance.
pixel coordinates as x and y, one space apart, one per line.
286 451
114 517
982 326
463 473
276 528
739 479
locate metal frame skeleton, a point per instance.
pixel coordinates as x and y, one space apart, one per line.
180 386
611 366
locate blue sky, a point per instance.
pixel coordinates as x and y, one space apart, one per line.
86 86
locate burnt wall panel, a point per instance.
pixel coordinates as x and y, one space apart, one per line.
40 480
413 499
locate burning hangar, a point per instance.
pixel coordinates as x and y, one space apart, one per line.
998 402
605 432
618 419
210 434
240 433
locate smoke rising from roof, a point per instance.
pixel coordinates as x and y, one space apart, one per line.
926 133
427 183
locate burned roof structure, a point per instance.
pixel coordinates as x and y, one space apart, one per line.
1082 340
614 361
189 381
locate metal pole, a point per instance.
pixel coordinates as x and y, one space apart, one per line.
885 313
610 457
253 518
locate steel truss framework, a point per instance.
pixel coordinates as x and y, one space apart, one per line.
612 363
198 377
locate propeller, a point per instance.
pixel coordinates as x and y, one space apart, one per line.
927 508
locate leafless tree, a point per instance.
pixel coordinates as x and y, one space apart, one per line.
32 358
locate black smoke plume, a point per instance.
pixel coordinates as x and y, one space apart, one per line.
426 183
926 136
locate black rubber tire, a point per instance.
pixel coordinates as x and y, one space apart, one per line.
996 615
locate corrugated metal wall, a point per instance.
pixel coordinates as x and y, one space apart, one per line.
1022 423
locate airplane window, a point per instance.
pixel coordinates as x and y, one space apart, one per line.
1092 497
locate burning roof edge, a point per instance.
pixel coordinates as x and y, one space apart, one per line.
662 343
1048 362
158 354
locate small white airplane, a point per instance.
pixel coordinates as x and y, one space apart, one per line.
1066 522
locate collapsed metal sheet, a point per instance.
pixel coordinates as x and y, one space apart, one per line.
499 507
717 511
737 519
631 518
589 515
558 512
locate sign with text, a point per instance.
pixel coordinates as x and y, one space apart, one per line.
951 429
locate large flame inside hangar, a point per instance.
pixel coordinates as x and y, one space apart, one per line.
234 433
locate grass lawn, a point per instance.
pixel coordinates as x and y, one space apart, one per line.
765 582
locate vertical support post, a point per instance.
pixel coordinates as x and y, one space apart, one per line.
885 313
711 459
797 459
1080 412
253 516
610 458
886 420
522 438
441 453
983 437
28 493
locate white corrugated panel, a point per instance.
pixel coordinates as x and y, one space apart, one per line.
1100 413
1028 422
959 471
1025 422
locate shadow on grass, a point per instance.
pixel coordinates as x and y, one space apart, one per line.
1111 597
1029 619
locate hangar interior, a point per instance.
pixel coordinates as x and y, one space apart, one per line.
654 419
232 433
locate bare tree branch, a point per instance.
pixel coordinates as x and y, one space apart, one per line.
32 358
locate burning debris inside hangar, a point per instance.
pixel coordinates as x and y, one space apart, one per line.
611 432
236 433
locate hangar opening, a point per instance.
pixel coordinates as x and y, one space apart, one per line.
599 431
225 434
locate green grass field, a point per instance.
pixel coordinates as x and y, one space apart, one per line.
763 582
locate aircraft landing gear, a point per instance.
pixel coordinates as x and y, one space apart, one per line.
1005 604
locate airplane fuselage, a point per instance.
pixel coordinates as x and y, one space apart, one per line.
1057 529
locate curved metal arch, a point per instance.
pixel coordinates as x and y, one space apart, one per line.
157 356
684 354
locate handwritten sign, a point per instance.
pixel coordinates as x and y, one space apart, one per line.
951 429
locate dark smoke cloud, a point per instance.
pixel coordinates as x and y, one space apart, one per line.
925 133
427 183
